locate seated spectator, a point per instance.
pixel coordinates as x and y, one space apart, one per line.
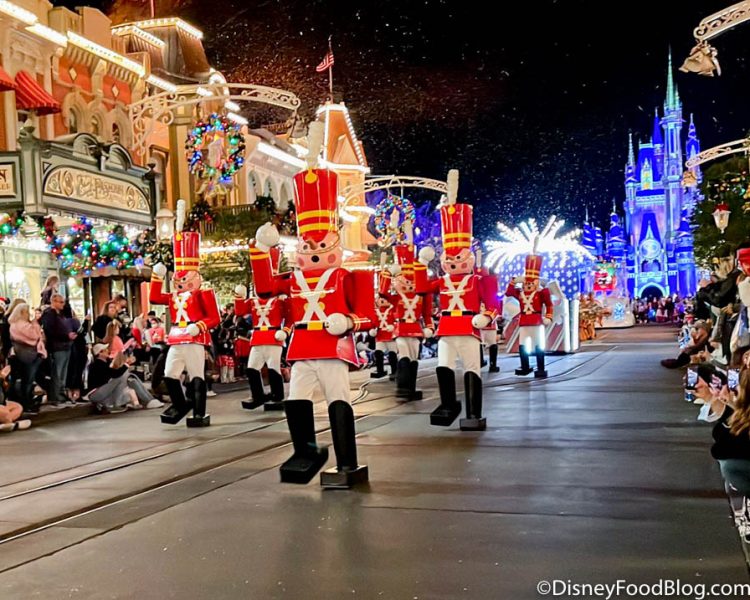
10 412
29 351
112 388
113 340
699 335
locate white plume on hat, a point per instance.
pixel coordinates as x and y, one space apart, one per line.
452 186
180 221
315 134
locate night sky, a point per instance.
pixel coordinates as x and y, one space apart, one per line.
533 108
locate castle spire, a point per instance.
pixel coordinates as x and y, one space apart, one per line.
614 206
656 136
631 155
673 98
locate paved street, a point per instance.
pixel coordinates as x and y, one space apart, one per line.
597 474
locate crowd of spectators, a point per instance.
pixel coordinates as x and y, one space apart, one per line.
714 347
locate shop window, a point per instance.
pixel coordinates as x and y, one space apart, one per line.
72 122
115 133
96 126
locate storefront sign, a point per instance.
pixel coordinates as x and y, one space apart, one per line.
7 181
76 184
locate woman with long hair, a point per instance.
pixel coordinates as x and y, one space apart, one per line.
28 348
113 340
50 287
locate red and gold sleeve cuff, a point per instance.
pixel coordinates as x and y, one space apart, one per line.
356 321
202 326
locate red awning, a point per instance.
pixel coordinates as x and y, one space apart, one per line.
6 81
32 96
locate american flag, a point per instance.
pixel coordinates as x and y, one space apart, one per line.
327 62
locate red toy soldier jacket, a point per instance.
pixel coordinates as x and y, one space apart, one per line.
461 297
412 311
534 307
268 318
386 323
312 297
199 307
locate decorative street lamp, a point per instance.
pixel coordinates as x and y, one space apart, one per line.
164 224
721 216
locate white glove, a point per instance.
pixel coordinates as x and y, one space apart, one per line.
480 321
427 333
159 270
546 321
518 279
373 332
426 255
193 329
240 291
394 270
280 335
338 324
266 237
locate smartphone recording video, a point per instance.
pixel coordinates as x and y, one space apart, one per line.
733 379
691 379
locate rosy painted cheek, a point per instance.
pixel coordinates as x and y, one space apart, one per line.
464 266
331 258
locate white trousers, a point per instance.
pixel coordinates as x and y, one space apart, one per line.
489 336
331 375
265 355
532 336
408 347
186 357
386 347
465 347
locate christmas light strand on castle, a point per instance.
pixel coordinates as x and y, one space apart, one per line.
564 256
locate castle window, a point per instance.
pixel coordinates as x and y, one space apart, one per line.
647 175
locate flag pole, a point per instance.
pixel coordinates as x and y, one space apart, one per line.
330 71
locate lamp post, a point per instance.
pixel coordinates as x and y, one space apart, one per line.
721 216
164 224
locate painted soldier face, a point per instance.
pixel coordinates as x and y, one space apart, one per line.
530 285
403 285
382 303
325 254
458 264
187 281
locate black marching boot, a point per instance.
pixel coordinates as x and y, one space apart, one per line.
473 390
493 359
525 367
308 457
276 400
540 372
482 361
449 407
413 371
393 364
257 395
347 472
180 406
403 379
199 418
379 365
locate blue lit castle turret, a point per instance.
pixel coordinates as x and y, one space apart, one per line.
656 244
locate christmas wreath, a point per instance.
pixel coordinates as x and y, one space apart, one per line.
391 215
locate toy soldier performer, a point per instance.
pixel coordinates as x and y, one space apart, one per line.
462 293
413 319
194 312
327 304
266 342
536 311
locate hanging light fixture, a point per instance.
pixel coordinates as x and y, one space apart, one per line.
721 216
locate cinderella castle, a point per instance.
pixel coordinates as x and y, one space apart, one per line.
654 244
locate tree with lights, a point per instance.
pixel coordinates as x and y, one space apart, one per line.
724 183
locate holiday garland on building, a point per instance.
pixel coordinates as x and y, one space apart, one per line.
80 251
10 224
155 251
200 212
